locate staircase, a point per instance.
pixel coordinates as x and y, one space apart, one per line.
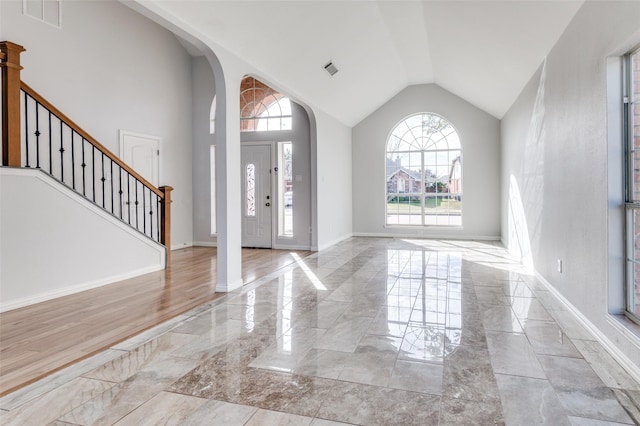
36 135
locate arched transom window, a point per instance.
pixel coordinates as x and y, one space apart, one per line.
424 173
262 108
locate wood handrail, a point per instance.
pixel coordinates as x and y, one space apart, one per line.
55 111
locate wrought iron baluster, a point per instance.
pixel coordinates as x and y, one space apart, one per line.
129 197
120 190
103 178
112 187
61 152
93 171
84 167
50 147
151 213
73 161
144 212
37 133
26 128
136 203
158 217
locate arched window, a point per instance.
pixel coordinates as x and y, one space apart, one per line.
262 108
424 152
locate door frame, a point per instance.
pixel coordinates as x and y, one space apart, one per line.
271 144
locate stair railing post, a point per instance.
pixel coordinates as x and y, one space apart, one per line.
165 224
11 103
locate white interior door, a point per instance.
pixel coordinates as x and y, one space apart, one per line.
256 197
142 154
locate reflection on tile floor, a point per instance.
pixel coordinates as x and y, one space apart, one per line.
371 331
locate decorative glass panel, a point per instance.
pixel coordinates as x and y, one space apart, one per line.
262 108
251 190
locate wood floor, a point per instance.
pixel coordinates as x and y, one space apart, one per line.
40 339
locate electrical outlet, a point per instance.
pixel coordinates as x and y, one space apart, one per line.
560 265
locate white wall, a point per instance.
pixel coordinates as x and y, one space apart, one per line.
480 138
554 169
109 68
43 256
334 184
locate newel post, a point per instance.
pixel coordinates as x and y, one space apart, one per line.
11 103
165 225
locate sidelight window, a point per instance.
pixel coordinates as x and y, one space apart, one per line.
631 133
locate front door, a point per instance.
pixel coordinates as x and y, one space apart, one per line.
256 196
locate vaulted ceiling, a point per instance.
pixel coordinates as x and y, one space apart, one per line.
482 51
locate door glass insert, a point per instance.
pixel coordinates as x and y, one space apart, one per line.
251 189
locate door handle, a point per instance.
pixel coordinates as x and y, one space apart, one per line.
268 204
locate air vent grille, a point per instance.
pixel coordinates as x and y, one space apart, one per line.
331 68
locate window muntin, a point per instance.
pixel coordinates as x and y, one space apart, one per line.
262 108
424 173
631 132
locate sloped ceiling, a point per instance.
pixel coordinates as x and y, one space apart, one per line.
482 51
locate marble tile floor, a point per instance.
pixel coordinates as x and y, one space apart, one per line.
372 331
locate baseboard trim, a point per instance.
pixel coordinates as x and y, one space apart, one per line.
205 244
613 350
290 247
43 297
226 288
181 246
275 246
332 243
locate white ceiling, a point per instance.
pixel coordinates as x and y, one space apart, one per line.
482 51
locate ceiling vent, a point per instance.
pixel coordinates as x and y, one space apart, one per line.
331 69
